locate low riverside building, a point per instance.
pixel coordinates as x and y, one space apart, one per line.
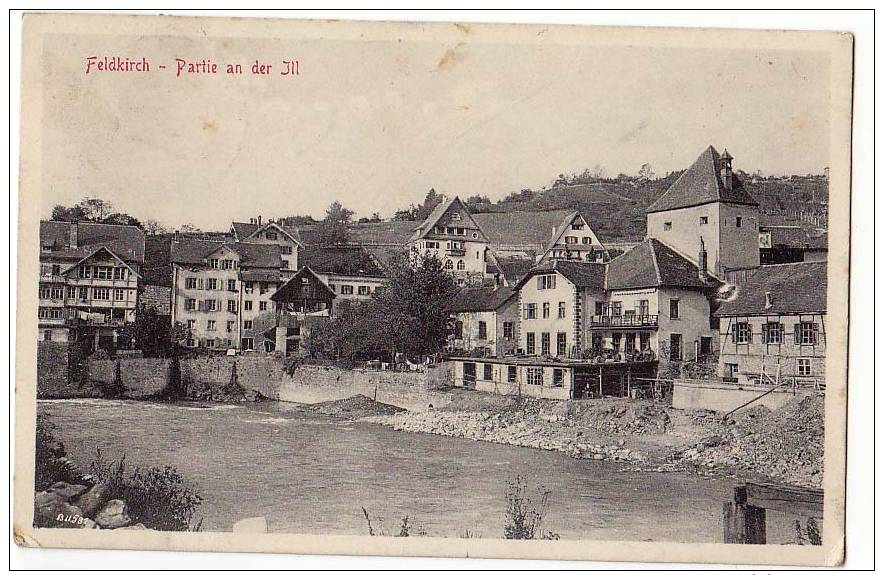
89 280
485 321
221 291
774 329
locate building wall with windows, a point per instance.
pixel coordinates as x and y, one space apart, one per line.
288 248
692 327
495 331
547 322
791 346
350 288
508 378
575 240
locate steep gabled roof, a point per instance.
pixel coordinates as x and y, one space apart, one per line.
489 298
653 264
794 289
242 230
528 229
97 251
440 210
126 242
511 268
290 231
341 260
581 274
192 251
701 184
291 289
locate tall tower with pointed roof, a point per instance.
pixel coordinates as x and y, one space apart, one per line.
708 204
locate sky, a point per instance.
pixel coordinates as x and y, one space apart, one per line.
375 124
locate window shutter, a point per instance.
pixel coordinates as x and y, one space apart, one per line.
199 283
734 332
539 282
797 333
765 333
816 333
552 284
748 332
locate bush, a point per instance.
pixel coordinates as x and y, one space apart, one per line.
523 519
50 462
157 497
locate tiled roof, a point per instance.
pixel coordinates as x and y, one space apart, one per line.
581 274
652 264
480 298
529 229
260 275
701 184
797 237
243 229
127 242
511 268
340 260
291 289
190 251
794 289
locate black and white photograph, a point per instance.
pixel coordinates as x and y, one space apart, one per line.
433 289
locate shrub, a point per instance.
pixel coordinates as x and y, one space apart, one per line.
523 519
175 387
157 497
50 462
407 527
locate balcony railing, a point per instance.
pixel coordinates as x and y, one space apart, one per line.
456 252
97 321
624 321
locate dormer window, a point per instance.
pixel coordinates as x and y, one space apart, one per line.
667 226
270 235
704 220
456 217
577 226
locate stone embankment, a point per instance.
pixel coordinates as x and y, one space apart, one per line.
75 506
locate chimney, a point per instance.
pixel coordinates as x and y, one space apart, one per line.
176 237
259 220
727 174
701 262
768 300
73 233
552 234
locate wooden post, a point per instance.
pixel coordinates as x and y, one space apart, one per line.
600 382
629 380
743 523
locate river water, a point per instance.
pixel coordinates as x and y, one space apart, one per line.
311 474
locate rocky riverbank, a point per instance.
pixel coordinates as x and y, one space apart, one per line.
78 506
784 445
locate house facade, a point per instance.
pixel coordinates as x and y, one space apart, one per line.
574 240
301 303
451 233
271 232
708 202
486 320
352 273
773 330
221 291
89 281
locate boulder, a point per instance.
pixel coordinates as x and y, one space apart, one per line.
66 490
58 513
113 515
93 500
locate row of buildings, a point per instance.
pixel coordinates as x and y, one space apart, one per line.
540 291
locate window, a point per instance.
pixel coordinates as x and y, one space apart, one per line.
47 335
346 289
210 343
190 283
739 222
461 266
545 309
804 368
642 307
742 332
561 309
248 344
487 372
56 293
530 311
673 308
667 226
511 374
119 294
263 287
231 305
730 371
587 240
772 332
616 308
101 293
286 250
483 330
213 263
704 220
262 306
211 305
600 308
212 283
629 343
119 273
558 377
270 235
544 343
546 282
644 341
189 305
806 333
247 324
364 290
675 346
72 293
84 293
102 272
577 226
248 287
191 324
508 330
449 265
535 375
230 325
86 271
247 305
561 344
231 285
210 325
570 240
530 343
431 245
456 216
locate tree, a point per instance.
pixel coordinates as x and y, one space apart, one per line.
478 203
151 333
431 200
65 214
373 219
153 228
122 220
646 172
334 228
189 228
296 221
96 209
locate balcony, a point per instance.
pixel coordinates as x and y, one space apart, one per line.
94 321
456 252
621 321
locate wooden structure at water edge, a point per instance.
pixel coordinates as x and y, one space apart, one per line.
745 516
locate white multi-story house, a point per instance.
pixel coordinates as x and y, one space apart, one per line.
453 235
486 319
272 233
573 239
221 291
773 330
89 281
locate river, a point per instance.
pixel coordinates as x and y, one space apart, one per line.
311 474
